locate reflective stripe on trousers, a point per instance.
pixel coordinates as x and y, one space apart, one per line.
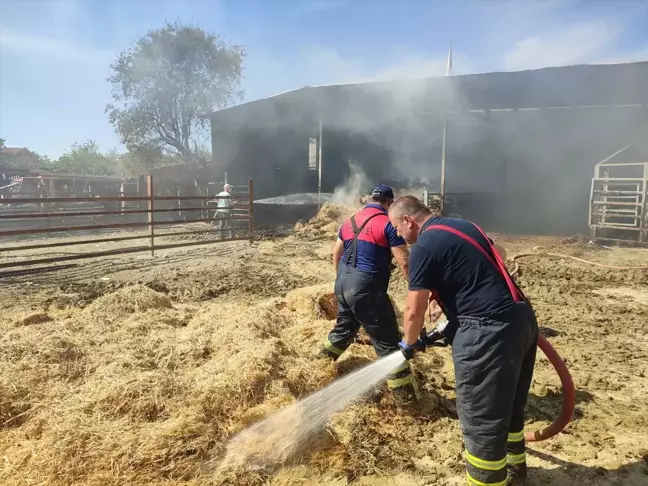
402 377
483 472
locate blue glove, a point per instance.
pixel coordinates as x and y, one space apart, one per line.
409 350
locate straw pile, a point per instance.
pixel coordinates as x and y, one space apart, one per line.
325 224
106 384
131 390
125 301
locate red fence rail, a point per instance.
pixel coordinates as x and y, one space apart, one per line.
240 210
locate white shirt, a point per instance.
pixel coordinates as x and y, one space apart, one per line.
224 203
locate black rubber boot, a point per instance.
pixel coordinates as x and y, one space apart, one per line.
403 386
517 475
326 354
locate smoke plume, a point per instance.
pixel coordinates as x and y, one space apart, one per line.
356 186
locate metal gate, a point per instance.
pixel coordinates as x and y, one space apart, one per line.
82 223
618 202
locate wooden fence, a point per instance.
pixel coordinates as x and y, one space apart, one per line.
51 221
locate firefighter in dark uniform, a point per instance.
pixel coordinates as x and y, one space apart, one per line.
362 257
492 329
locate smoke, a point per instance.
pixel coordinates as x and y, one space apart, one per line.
525 170
356 186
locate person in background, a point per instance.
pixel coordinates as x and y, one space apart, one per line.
223 210
361 258
492 329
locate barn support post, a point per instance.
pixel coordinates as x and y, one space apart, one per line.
319 167
122 193
642 200
251 210
444 141
444 149
150 213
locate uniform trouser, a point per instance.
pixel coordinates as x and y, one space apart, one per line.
494 362
363 301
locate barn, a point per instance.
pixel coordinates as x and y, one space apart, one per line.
520 147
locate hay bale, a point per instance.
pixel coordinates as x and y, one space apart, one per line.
126 301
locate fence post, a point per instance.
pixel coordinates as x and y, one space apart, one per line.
151 209
251 210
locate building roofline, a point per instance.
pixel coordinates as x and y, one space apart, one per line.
441 81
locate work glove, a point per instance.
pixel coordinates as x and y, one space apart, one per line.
409 350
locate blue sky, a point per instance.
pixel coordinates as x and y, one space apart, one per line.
55 54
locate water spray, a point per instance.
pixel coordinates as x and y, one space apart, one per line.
293 430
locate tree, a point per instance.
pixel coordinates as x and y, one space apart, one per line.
165 82
86 159
145 160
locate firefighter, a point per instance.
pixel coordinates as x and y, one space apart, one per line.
492 329
361 257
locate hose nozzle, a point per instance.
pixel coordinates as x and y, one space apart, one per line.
436 337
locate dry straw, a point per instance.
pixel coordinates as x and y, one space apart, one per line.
134 390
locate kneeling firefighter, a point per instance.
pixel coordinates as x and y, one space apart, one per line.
492 329
362 257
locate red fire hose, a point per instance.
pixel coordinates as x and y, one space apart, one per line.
569 392
569 395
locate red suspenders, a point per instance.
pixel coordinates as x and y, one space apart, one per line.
497 262
353 254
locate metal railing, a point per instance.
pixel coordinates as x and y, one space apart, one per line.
618 202
54 223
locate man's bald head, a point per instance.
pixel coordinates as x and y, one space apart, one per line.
409 206
407 214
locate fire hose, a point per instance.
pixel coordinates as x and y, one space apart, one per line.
568 390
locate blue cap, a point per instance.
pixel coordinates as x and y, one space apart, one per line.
383 191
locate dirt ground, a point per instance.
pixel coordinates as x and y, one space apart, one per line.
136 370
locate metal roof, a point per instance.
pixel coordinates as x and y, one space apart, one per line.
87 177
16 151
45 174
586 86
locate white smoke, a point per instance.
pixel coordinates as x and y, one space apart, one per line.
356 186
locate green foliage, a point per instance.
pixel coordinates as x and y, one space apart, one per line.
86 159
165 82
145 160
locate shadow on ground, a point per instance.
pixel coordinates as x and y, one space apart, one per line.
547 407
568 474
